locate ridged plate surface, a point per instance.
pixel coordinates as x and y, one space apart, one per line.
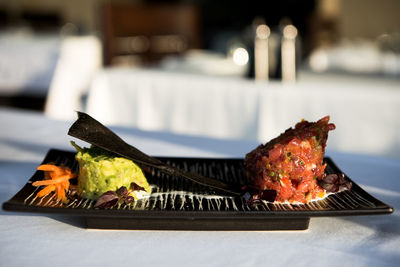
177 203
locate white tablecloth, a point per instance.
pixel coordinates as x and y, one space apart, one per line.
80 58
27 63
33 240
365 111
58 68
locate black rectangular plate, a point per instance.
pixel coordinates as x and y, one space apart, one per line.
179 204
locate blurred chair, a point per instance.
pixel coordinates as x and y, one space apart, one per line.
145 33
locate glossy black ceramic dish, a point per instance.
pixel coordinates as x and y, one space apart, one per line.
179 204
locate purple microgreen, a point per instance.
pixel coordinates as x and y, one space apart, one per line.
129 199
111 198
335 183
268 195
122 192
136 187
107 200
253 196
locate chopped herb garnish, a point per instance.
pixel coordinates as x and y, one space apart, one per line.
277 177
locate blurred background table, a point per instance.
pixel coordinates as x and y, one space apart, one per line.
27 62
31 238
365 110
186 68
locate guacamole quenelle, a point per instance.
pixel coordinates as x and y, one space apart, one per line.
101 171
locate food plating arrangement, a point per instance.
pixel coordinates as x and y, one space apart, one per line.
277 186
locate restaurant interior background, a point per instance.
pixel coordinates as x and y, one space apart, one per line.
221 69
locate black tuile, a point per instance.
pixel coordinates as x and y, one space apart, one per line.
90 130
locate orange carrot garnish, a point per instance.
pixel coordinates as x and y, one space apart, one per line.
46 190
56 179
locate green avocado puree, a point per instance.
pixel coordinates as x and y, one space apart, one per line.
101 171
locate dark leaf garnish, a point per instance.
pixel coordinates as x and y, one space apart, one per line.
107 200
268 195
122 195
335 183
122 192
253 196
129 199
136 187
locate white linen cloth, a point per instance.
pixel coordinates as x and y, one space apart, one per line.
58 68
181 103
80 58
365 111
27 62
32 239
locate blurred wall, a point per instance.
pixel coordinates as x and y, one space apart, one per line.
368 18
82 13
79 12
365 18
344 18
